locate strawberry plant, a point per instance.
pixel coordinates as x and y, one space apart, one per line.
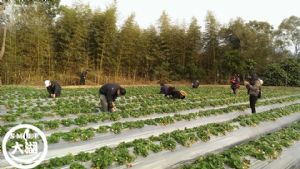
123 156
59 162
103 129
103 157
155 147
81 120
36 115
54 138
203 135
86 134
168 144
67 122
116 127
83 157
53 124
141 147
76 166
73 135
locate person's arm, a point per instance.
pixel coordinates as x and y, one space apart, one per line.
253 87
49 91
161 90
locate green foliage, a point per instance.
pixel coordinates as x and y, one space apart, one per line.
76 166
50 39
292 69
275 75
285 73
103 157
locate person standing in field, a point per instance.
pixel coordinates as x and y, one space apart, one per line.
83 76
254 90
53 88
195 84
108 94
235 83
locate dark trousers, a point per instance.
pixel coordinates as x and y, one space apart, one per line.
234 88
252 100
82 81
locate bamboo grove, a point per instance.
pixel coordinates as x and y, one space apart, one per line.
47 40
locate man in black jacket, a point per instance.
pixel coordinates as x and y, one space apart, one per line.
53 88
83 77
108 94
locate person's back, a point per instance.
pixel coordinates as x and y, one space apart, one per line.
109 89
163 89
254 87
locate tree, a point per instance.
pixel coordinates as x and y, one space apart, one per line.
193 48
292 69
71 35
262 44
102 40
3 20
128 48
211 41
289 30
274 75
162 71
151 53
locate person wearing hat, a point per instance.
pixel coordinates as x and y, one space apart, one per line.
53 88
254 90
108 94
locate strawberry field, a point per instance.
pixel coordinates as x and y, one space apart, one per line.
211 128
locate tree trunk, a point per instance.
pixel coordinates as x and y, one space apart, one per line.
2 48
3 43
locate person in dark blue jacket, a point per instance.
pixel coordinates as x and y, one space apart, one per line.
163 88
108 94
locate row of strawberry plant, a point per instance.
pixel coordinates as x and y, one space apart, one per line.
75 106
64 106
118 127
244 120
106 156
266 147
